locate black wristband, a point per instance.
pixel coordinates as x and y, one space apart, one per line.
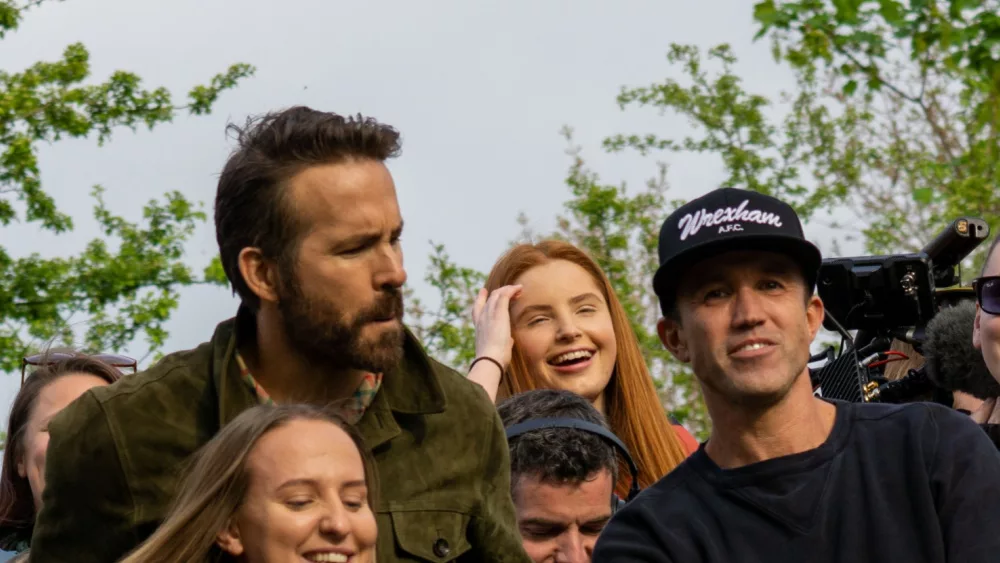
488 359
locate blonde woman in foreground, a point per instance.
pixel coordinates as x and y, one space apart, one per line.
278 483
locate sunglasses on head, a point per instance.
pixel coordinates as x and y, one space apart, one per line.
988 293
113 360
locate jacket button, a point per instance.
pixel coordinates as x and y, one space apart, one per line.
441 548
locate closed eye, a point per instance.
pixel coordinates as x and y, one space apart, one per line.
298 503
542 532
354 504
593 528
354 250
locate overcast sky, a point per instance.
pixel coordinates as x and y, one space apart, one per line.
479 91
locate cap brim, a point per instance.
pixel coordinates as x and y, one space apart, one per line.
669 274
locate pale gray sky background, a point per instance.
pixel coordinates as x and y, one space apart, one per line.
479 91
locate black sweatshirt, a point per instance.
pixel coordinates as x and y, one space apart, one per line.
908 483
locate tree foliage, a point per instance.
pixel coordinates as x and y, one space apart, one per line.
121 286
904 109
619 230
891 129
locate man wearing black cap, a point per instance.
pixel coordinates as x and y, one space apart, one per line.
785 475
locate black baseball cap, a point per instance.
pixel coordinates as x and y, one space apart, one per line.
729 219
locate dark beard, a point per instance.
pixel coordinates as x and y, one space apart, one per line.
318 331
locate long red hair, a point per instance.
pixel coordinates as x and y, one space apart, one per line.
632 406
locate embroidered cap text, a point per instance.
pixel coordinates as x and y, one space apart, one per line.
690 224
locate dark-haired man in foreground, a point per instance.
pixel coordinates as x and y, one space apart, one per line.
562 479
308 227
785 475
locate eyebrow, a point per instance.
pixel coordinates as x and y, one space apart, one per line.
575 300
768 266
553 523
314 484
367 239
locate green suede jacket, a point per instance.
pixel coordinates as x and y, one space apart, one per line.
114 457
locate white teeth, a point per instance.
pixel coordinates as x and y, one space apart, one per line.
571 356
328 558
754 346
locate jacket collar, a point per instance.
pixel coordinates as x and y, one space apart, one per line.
412 387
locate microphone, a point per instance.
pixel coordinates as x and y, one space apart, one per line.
952 363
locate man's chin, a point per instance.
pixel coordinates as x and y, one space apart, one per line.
383 351
753 394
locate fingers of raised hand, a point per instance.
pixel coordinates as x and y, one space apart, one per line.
477 308
499 304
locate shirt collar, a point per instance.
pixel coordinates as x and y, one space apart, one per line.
412 387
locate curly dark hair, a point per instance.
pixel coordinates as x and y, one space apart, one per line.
556 455
251 204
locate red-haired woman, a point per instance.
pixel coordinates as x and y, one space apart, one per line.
550 319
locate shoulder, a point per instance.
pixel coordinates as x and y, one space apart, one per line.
137 406
459 392
670 499
656 525
907 416
934 430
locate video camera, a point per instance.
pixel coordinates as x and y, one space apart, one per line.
884 298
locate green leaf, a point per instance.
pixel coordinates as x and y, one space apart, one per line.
892 11
120 287
923 196
850 87
766 14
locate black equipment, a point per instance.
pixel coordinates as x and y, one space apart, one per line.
884 298
604 433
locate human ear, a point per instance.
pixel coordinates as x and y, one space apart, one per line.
229 539
673 339
815 312
259 273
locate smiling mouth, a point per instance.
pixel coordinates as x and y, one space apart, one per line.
571 358
328 557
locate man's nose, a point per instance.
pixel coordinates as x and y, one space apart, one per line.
391 272
748 310
574 548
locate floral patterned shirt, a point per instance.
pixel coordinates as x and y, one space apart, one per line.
352 410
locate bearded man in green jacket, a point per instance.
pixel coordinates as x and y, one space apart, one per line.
308 226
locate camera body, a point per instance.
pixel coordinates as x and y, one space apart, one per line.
884 298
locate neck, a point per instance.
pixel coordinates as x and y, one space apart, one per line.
289 377
599 403
799 422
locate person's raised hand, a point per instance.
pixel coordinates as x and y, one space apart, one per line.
491 317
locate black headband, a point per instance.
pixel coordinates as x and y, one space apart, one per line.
577 424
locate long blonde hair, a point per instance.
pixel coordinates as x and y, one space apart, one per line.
633 408
216 483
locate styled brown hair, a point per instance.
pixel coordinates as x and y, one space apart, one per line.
633 408
215 483
17 505
251 203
